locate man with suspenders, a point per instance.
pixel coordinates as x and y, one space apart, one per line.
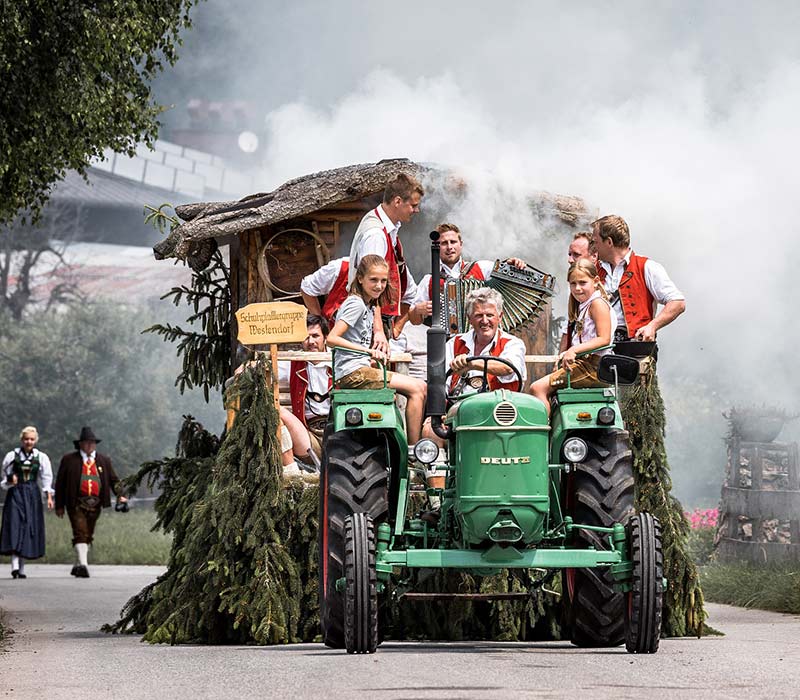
635 284
377 234
453 266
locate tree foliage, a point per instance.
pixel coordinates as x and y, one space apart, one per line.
75 80
204 348
91 365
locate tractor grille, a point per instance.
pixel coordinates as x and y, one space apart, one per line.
505 413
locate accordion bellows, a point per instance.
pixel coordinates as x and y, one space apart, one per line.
525 293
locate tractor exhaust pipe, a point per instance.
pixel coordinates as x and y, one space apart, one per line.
436 405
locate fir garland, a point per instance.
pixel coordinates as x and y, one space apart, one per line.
242 567
643 409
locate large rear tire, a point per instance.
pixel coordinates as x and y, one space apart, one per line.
644 601
599 492
353 479
361 592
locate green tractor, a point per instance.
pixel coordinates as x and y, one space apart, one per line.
520 492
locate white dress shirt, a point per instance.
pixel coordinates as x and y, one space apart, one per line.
373 242
44 478
453 272
318 380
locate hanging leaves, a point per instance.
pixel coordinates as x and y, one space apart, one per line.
643 409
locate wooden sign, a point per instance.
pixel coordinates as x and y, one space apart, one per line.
271 322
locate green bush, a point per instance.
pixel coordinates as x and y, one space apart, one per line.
700 544
775 588
120 538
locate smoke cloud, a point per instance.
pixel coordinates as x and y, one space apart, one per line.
681 118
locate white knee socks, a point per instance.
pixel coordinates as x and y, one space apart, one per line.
82 550
15 565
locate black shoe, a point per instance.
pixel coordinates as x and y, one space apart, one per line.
431 516
74 571
19 575
81 571
15 573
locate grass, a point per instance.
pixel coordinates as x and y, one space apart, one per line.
775 587
119 538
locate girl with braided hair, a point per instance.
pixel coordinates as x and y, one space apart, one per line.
591 327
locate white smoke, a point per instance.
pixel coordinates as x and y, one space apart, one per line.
680 117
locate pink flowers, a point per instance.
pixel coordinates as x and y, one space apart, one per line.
701 518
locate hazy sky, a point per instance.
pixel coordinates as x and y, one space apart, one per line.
681 117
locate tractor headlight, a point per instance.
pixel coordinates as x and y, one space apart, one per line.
353 416
426 451
575 450
606 416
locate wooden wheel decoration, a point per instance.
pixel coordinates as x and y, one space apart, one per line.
288 256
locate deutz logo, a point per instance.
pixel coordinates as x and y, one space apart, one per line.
505 460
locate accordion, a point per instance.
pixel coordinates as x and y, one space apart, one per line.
525 293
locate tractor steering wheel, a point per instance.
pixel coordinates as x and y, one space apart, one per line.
484 377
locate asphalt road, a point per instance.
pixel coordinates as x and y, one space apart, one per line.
58 652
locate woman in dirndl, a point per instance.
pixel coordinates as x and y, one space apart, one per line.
26 473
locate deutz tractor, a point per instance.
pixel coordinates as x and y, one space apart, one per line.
521 491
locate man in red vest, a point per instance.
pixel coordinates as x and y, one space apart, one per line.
635 284
453 266
330 282
84 485
484 307
377 234
309 389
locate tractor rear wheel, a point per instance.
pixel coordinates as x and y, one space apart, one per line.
599 492
361 592
644 601
353 479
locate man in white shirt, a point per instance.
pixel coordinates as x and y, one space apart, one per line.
331 282
377 234
453 266
309 389
635 284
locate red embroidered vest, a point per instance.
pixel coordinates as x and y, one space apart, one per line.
460 348
298 387
637 301
468 271
337 294
398 277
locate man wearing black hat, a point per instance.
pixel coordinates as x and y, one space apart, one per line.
83 487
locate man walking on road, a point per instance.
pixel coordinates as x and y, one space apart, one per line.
83 487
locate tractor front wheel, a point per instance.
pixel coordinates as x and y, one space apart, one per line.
643 611
353 479
361 591
599 492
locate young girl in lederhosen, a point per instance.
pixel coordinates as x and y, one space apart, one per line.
353 330
591 326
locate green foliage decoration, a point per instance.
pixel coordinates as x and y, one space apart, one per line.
75 80
643 410
243 562
205 352
532 618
